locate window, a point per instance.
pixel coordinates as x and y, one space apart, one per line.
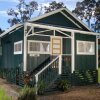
85 47
18 47
40 47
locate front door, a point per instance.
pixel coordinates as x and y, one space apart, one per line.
56 45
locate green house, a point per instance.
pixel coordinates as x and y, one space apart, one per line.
54 46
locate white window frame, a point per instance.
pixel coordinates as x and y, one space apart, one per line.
37 52
85 53
18 52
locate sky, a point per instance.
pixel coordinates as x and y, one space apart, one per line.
7 4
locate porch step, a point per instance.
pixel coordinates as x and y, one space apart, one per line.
53 85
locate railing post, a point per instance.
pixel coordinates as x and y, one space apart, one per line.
36 85
60 64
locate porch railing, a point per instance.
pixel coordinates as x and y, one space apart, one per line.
49 72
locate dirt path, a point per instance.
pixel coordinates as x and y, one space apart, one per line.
77 93
12 90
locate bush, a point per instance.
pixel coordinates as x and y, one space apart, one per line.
64 85
3 95
27 93
41 87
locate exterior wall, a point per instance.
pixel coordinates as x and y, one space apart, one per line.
33 61
66 46
57 19
9 59
84 62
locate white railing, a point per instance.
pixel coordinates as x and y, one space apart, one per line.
54 64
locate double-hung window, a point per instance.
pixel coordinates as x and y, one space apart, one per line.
18 47
85 47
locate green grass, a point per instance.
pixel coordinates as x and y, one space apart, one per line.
3 95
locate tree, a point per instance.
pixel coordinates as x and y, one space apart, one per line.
88 9
54 6
23 13
1 31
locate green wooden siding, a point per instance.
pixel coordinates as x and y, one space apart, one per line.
57 19
66 46
84 62
9 59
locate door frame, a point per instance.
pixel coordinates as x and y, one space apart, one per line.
51 46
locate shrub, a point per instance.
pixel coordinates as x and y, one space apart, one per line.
64 85
41 87
27 93
3 95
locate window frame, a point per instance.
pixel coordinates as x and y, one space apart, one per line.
16 43
85 53
38 52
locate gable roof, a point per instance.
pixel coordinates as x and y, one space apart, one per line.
67 14
64 11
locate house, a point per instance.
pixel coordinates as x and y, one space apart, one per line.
56 44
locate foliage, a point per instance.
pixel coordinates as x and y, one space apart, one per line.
23 13
27 93
41 87
1 31
3 95
54 6
88 9
64 85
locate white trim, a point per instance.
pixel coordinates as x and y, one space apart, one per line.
25 50
63 33
60 64
42 31
62 29
17 52
85 53
97 53
30 30
73 52
70 19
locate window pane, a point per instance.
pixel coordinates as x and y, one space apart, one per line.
81 46
90 47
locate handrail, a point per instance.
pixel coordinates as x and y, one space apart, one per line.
46 66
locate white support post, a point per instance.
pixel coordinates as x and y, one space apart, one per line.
25 49
73 52
60 64
36 85
96 52
54 33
